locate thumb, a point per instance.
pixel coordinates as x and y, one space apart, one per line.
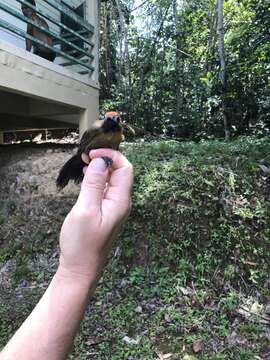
93 184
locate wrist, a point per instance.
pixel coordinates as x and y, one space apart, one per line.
79 274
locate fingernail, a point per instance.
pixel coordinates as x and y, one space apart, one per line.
108 161
98 165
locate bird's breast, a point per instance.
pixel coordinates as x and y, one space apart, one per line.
110 139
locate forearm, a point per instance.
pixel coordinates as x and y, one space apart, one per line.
49 331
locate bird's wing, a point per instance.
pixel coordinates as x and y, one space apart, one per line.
88 136
129 129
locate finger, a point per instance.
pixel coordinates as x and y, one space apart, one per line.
85 158
120 182
121 169
93 185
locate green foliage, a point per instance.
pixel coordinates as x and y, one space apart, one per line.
216 185
195 249
181 233
167 79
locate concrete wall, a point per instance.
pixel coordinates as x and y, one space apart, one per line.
38 94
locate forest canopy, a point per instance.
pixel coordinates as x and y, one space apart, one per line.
189 69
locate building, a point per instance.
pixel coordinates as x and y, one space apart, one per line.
36 93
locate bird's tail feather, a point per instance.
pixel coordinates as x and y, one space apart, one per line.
72 170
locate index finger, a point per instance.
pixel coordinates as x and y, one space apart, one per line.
121 179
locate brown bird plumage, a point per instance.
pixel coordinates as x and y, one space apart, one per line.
106 133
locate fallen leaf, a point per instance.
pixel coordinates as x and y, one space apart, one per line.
167 318
138 309
256 308
244 312
129 340
251 263
167 356
164 356
185 291
197 346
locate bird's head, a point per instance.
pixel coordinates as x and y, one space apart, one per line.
112 121
112 116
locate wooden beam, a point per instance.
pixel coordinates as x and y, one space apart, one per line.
12 123
1 138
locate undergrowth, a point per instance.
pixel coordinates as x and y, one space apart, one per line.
189 277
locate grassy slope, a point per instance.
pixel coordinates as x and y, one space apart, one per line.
193 256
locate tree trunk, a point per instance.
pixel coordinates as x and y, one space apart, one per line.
149 64
212 40
125 53
222 75
178 64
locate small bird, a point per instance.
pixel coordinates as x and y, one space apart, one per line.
106 133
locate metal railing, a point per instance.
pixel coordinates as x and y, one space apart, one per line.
73 45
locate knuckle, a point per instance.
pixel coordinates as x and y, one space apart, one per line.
129 166
91 184
82 215
129 169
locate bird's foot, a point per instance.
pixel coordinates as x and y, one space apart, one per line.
108 161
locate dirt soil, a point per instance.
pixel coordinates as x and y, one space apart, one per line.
32 208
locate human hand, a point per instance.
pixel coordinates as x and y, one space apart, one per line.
103 204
